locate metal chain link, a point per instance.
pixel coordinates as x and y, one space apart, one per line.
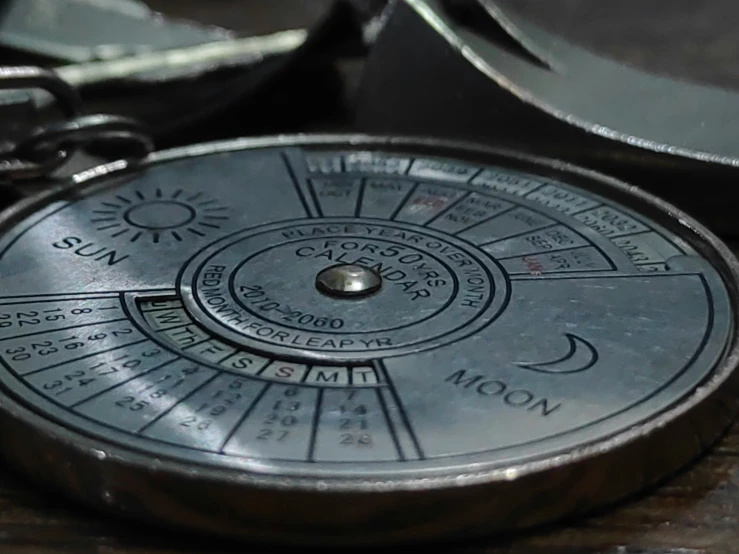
48 147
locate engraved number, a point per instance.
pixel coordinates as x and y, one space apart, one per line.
130 403
278 420
347 423
269 434
17 354
290 406
355 439
68 382
48 347
29 318
256 296
225 399
192 421
354 422
287 421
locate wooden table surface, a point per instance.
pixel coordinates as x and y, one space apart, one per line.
694 512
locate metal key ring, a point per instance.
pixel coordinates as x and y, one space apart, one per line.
50 146
13 166
81 131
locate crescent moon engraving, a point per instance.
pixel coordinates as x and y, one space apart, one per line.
581 356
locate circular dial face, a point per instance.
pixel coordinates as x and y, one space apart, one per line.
352 312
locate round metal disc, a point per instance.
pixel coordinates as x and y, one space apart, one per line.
358 340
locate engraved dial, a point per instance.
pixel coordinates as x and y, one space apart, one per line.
356 313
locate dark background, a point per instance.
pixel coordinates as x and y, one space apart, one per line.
694 512
691 39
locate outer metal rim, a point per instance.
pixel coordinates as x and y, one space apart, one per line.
302 510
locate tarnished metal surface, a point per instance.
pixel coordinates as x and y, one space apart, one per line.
537 328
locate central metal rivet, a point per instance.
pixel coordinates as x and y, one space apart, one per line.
347 280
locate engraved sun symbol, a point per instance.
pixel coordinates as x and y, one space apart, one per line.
155 215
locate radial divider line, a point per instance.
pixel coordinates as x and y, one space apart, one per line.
449 207
634 234
152 310
475 175
463 229
544 252
585 209
314 426
522 233
247 413
265 366
110 388
598 274
390 426
186 348
360 197
590 273
149 293
537 187
168 410
302 379
407 170
301 196
380 367
61 296
314 197
403 201
113 296
227 356
163 294
161 330
52 366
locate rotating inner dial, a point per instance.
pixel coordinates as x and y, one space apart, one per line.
258 288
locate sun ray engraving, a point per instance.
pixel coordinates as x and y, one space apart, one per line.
159 215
